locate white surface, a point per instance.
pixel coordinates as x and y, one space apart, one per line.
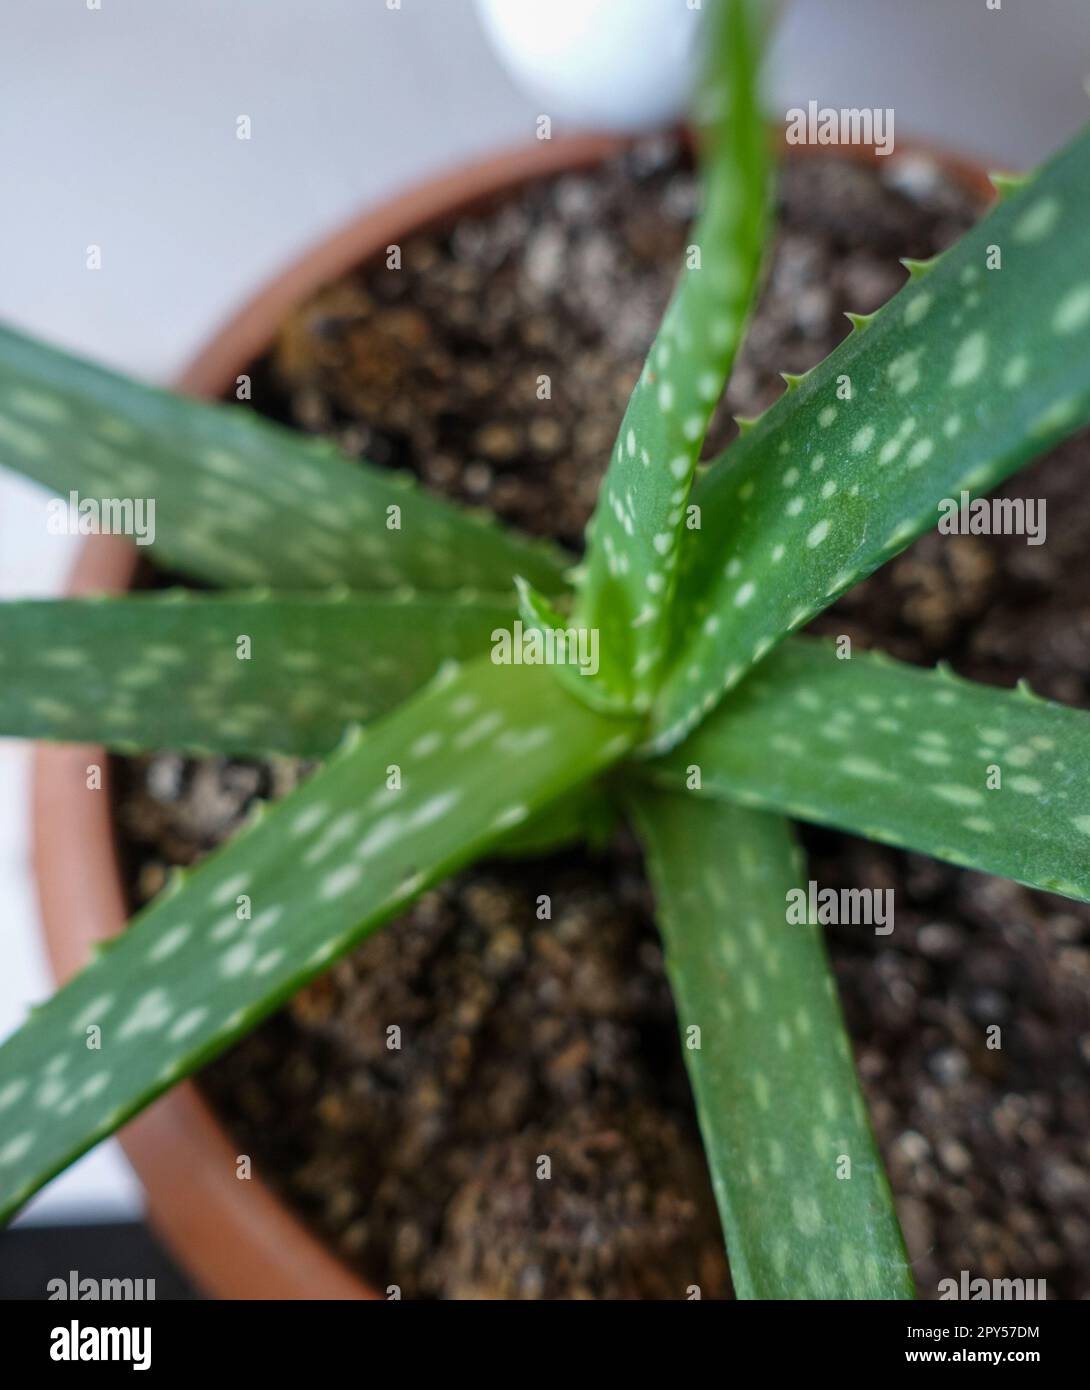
621 64
117 127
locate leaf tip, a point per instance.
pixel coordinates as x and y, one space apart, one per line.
175 882
1005 183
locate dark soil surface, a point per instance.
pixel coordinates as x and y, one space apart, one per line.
524 1040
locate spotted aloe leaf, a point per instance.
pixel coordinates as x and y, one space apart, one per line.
447 776
640 521
233 673
990 779
572 651
803 1198
240 500
979 363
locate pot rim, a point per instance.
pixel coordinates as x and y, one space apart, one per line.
242 1241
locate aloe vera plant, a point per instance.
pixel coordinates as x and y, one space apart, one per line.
705 722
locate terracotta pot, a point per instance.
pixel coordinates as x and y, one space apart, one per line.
234 1238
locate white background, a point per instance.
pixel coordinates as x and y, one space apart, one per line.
117 127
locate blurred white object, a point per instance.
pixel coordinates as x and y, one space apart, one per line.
619 64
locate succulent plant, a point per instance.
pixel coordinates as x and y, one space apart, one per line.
368 619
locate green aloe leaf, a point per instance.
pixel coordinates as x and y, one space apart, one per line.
239 500
432 786
585 816
571 650
640 523
979 363
802 1194
232 673
997 780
